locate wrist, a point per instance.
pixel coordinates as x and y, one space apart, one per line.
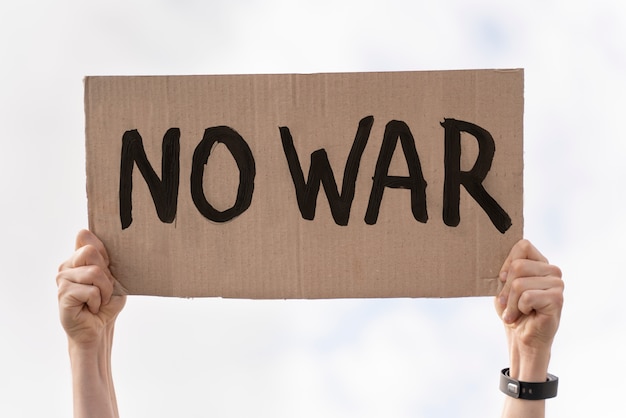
92 354
89 358
529 364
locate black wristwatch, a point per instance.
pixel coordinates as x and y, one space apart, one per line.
528 390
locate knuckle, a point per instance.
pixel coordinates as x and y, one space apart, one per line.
556 271
517 286
89 251
59 278
516 267
524 244
558 300
524 299
94 291
61 286
92 272
63 290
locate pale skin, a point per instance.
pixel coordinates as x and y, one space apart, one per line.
88 308
529 304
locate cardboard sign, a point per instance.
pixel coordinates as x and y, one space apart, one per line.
400 184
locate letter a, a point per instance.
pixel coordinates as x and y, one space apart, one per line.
415 181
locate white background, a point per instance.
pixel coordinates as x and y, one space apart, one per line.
355 358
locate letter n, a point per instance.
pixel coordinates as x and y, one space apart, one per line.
164 190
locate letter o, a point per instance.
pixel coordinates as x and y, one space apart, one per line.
242 154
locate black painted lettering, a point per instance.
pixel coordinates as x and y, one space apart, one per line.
164 191
320 171
242 154
471 180
415 181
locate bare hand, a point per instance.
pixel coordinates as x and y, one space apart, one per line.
532 297
87 303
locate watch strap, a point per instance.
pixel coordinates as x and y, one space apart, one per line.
528 390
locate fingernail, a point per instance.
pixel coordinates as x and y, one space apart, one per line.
503 275
503 300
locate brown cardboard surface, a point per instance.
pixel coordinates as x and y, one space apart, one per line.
268 250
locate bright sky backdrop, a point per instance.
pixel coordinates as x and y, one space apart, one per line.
347 358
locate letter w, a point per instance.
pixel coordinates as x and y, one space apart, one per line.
320 171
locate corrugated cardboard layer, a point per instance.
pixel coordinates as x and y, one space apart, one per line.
270 251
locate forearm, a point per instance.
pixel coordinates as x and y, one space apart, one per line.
92 381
